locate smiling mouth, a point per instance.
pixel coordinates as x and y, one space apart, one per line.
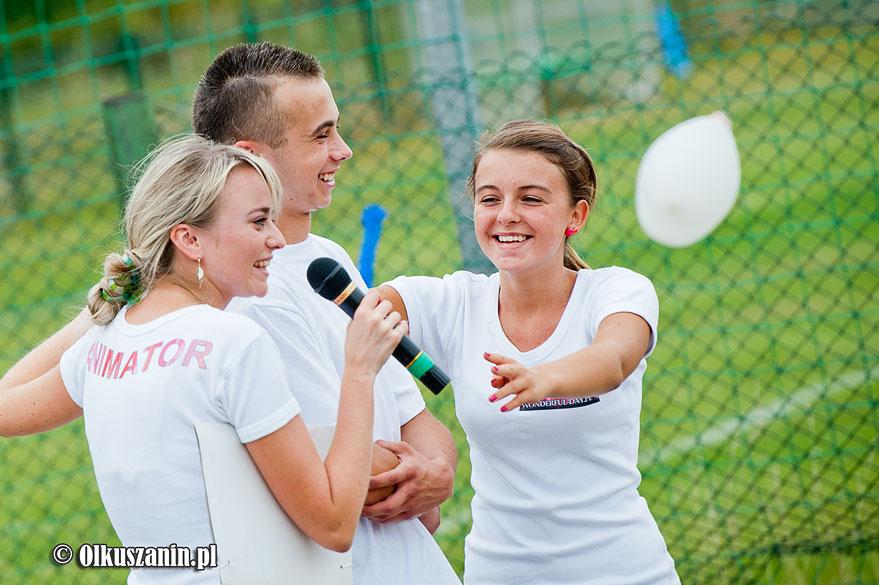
328 178
264 264
511 239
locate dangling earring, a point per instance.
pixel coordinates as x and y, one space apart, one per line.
199 272
570 231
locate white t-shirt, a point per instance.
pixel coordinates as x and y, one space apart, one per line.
310 332
141 388
556 499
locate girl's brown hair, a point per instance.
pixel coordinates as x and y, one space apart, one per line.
548 140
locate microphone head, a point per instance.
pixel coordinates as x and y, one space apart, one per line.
327 277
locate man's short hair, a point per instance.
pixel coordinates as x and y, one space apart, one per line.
234 99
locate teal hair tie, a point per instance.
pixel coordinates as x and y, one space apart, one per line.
111 292
131 298
130 293
125 293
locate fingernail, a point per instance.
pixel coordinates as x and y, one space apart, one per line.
486 355
492 398
494 370
504 408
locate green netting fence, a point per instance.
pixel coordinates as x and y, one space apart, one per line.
759 422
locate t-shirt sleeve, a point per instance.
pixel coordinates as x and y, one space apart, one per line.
73 365
254 392
625 291
433 307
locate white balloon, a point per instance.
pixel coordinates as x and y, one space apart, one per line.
688 181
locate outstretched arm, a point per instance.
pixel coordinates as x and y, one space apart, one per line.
621 342
33 398
36 406
47 355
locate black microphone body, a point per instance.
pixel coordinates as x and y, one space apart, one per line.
330 280
405 352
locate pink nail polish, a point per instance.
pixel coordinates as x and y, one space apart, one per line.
494 370
492 398
486 355
504 408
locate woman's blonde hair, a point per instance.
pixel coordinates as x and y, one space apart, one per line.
178 182
555 146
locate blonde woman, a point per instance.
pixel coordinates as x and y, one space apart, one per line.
200 228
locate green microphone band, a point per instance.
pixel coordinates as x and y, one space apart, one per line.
420 365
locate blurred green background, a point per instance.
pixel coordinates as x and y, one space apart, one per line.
759 421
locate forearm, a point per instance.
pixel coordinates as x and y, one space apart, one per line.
591 371
48 354
622 341
323 497
36 406
350 456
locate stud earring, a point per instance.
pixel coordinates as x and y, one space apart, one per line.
570 231
199 272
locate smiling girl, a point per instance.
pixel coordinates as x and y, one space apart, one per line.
546 358
200 227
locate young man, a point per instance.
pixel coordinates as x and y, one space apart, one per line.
274 101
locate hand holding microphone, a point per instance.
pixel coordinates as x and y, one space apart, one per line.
375 330
331 281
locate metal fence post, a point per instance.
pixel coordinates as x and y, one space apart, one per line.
12 162
371 32
455 109
129 45
131 131
248 24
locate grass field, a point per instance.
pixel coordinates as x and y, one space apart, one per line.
759 422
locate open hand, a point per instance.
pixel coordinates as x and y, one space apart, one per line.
512 378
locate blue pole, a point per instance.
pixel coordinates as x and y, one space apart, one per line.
674 45
372 219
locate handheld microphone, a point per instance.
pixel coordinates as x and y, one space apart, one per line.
332 282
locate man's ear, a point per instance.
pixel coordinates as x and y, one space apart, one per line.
186 240
250 146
